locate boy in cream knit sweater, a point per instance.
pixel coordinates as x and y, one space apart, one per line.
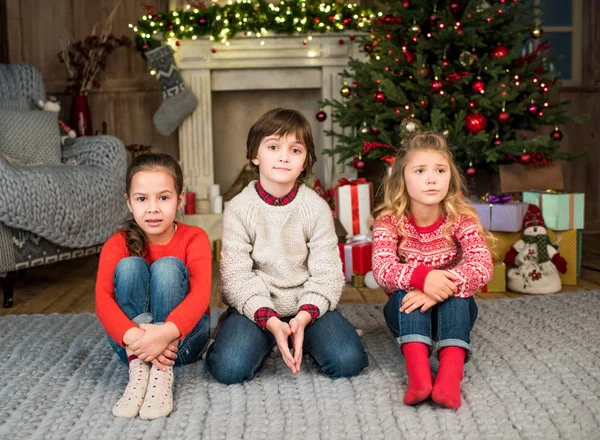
281 272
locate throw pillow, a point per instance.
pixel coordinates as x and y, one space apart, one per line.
31 136
16 104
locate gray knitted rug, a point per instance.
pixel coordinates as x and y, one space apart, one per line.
535 374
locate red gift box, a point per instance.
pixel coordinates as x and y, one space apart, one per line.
356 256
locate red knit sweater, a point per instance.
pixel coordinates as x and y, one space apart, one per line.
190 244
403 263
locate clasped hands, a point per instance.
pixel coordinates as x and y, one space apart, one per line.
283 331
439 285
155 343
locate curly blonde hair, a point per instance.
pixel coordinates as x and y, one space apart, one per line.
396 200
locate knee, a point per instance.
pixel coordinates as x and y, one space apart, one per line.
167 272
227 367
346 363
131 269
166 266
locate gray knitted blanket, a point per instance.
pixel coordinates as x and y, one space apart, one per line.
76 204
535 374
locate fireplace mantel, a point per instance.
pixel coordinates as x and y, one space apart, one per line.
248 63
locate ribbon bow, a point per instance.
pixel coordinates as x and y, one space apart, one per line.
497 198
343 182
360 238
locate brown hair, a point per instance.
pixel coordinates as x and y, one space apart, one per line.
134 235
396 200
282 122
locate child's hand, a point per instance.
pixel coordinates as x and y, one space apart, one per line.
297 326
132 335
167 357
415 299
282 332
439 285
155 340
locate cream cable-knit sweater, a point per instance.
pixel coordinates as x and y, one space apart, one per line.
279 256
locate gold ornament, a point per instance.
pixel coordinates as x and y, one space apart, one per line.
466 58
445 133
410 125
423 71
536 33
345 90
415 29
364 129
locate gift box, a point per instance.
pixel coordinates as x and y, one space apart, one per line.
498 281
561 211
565 241
517 177
353 200
579 250
356 256
507 217
501 242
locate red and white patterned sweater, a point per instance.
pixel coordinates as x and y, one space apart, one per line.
403 263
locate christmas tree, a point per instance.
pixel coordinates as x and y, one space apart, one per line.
476 71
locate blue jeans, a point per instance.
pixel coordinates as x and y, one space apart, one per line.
241 346
148 293
446 324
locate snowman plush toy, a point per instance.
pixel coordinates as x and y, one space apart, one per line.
533 261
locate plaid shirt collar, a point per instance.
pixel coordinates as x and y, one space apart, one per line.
276 201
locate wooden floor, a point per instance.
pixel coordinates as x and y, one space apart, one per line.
68 286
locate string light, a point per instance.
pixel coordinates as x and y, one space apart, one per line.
218 22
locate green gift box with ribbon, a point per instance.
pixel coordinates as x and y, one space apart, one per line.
561 211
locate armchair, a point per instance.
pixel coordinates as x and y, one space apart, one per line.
56 203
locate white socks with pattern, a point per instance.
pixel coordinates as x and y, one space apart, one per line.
158 401
129 405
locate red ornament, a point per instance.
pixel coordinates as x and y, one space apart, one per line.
478 86
471 171
340 41
368 48
474 123
352 37
436 86
379 97
503 117
526 157
374 131
145 47
410 57
316 20
170 27
533 109
497 141
556 134
321 116
455 8
178 43
214 50
406 3
499 52
360 164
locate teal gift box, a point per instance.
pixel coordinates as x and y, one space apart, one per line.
561 211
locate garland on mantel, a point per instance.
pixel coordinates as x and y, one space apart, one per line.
254 18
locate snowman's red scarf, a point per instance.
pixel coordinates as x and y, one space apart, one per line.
542 242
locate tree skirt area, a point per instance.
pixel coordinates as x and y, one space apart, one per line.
534 374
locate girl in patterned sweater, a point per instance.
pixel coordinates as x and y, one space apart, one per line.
430 254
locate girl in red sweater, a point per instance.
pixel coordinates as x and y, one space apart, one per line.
153 287
430 254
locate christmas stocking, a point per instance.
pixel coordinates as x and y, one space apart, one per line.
179 101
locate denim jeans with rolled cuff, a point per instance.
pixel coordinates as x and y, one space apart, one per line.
447 324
